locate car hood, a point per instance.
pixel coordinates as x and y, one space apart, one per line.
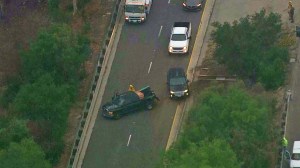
295 163
178 43
192 2
178 88
109 106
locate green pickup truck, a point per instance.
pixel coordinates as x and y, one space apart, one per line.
128 102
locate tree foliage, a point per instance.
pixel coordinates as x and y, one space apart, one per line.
8 96
47 104
43 100
230 114
52 67
57 51
12 130
249 48
207 154
26 154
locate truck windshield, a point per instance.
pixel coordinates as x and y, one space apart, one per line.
135 8
178 37
119 101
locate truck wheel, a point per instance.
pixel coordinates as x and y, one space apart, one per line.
149 106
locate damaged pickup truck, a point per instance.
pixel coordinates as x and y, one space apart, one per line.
130 101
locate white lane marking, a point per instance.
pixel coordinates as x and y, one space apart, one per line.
160 30
169 1
128 140
149 67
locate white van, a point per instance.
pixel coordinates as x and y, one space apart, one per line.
295 158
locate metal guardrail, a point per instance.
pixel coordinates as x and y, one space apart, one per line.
284 115
96 77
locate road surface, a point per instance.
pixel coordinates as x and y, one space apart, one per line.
141 59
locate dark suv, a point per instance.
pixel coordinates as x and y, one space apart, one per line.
177 83
128 102
192 5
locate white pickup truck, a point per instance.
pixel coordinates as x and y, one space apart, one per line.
180 38
295 158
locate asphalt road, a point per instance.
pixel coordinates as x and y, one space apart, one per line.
138 140
293 124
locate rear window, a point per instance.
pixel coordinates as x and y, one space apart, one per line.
126 98
178 37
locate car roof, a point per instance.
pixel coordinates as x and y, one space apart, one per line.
296 147
129 96
176 72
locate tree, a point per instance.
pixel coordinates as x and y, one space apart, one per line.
47 104
26 154
208 154
57 51
11 91
12 130
247 46
43 100
231 114
272 75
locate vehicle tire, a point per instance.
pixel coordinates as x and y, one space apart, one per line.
149 106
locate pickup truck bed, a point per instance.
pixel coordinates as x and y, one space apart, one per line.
182 24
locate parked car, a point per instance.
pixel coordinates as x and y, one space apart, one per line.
177 83
128 102
192 5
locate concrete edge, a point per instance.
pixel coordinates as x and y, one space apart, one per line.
101 84
196 53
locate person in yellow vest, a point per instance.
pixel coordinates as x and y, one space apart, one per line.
284 142
290 4
291 10
131 88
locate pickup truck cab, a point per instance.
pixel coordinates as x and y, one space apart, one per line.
180 38
127 102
